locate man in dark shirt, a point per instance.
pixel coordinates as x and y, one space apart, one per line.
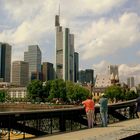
103 109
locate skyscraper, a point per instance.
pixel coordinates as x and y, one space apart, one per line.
59 49
130 82
47 71
64 44
20 73
89 75
76 66
5 62
33 57
86 76
82 76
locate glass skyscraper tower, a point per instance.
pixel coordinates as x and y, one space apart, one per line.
5 62
33 57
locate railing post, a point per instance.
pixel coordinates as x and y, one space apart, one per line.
24 128
62 121
9 127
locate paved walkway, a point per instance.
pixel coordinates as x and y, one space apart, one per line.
115 131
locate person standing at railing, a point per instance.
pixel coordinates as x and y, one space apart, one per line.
104 109
138 107
89 108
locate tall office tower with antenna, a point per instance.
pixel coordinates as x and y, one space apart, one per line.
64 52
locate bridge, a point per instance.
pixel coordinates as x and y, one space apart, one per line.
51 121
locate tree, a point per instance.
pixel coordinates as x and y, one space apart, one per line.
114 92
2 95
58 90
76 93
46 89
35 90
131 95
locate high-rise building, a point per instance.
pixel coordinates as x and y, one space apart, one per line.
47 71
64 43
5 62
20 73
89 76
76 66
82 76
33 57
130 82
59 49
86 76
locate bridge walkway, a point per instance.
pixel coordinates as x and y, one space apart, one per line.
117 131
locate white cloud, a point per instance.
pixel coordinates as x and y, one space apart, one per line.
101 68
107 36
33 22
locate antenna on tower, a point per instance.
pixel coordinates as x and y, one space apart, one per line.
59 9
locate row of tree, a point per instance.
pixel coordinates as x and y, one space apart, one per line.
67 92
118 93
56 89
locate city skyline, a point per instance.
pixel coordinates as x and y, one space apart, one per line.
106 32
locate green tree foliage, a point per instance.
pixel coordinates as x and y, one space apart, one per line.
114 92
76 93
131 95
46 89
119 93
35 90
2 95
57 89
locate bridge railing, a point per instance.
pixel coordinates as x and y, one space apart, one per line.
42 122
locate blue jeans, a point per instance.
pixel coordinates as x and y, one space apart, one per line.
104 117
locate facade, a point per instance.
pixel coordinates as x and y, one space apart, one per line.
102 81
64 46
113 69
18 92
20 73
76 66
86 76
4 84
36 76
89 76
33 56
5 62
130 82
82 76
47 71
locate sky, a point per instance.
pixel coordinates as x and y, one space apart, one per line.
106 31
